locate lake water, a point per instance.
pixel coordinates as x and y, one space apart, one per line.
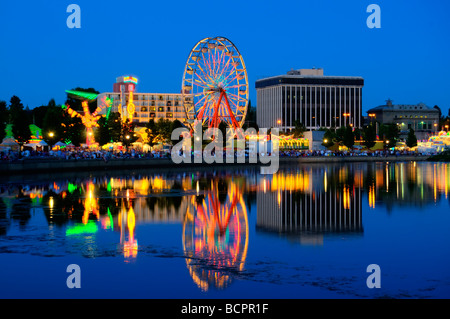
309 231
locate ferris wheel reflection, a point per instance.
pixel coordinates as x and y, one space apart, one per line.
215 235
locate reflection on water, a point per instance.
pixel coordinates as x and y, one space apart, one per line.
304 203
215 233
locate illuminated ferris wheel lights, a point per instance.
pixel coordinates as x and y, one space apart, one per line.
216 79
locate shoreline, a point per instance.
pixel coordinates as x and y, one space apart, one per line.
38 166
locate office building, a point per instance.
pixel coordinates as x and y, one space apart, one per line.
307 95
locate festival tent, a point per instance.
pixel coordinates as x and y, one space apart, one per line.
9 143
35 144
59 145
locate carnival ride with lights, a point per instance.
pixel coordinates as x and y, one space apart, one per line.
88 119
127 110
436 143
215 84
215 235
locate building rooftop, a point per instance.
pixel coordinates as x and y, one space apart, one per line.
309 76
389 106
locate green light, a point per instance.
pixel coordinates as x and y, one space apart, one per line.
71 187
111 222
108 112
8 131
35 131
109 188
78 229
82 95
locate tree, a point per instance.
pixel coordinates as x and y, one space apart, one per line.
163 129
411 140
349 137
299 129
390 134
53 122
329 138
369 136
151 132
114 126
4 119
250 118
38 114
102 132
20 121
128 135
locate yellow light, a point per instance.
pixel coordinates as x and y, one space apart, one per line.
51 134
51 202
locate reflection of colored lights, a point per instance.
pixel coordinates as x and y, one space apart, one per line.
51 202
346 197
216 232
90 204
283 181
79 229
71 187
371 196
130 246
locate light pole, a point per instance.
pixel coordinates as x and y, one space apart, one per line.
128 140
51 135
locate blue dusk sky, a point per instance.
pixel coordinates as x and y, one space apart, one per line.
406 60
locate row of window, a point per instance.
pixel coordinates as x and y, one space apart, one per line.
416 126
159 109
145 97
152 103
411 116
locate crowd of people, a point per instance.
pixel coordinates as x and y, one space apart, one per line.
353 153
106 155
80 154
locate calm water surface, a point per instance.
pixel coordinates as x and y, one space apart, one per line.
309 231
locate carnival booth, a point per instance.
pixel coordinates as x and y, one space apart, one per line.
8 144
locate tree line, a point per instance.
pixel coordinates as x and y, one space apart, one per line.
389 133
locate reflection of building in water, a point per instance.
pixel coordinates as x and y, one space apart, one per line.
318 206
155 199
407 184
215 235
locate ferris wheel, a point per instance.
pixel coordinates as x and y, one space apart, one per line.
215 84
